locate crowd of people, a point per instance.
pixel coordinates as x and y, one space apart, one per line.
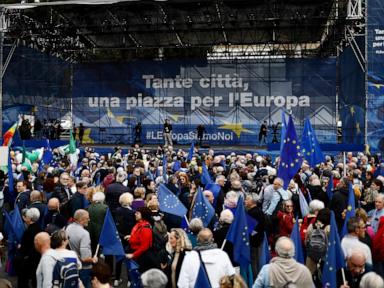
64 207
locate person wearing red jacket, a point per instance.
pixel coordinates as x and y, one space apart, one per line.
378 249
286 219
140 241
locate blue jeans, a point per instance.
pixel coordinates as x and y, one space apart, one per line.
85 277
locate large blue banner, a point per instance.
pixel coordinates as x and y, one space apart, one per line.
230 99
375 117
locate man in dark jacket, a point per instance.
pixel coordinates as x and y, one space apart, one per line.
78 199
258 233
23 195
113 192
63 193
339 201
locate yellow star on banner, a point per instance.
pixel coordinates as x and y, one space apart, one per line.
87 138
119 119
378 86
237 128
352 109
358 130
175 118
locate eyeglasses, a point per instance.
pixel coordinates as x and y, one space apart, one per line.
289 206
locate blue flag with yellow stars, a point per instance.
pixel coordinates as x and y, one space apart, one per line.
334 259
168 202
205 177
165 164
296 239
283 129
290 157
238 234
202 208
310 147
109 237
350 211
191 151
265 256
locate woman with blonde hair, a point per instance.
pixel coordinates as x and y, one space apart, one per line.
234 281
178 244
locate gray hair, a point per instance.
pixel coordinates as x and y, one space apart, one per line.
316 205
154 278
226 216
285 248
380 197
33 214
254 197
121 177
371 280
195 225
98 197
220 177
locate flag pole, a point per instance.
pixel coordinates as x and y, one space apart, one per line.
186 220
222 246
97 250
343 274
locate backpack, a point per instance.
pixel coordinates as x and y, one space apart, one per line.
65 274
159 235
317 244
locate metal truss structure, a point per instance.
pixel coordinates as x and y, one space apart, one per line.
217 29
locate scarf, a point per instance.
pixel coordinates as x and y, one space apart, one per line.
285 271
205 246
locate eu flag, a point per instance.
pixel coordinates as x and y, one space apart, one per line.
205 177
290 157
304 208
15 224
169 202
133 274
202 209
191 151
296 239
215 189
109 237
330 187
265 256
238 234
47 155
202 279
350 211
310 146
334 259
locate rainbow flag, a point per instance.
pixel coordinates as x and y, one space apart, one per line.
7 138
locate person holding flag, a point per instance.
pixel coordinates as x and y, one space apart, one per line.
141 241
206 256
